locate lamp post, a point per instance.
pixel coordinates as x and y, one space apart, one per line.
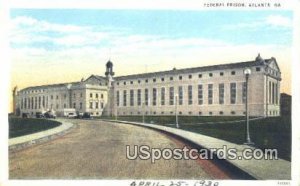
176 114
247 73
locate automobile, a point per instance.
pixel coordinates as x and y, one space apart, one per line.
25 115
39 115
72 115
50 115
86 115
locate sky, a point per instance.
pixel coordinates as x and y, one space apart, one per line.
64 45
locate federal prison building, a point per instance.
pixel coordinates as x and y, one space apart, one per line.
218 90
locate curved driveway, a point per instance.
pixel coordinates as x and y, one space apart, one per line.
97 149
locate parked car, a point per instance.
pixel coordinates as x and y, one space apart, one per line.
25 115
39 115
50 115
72 115
86 115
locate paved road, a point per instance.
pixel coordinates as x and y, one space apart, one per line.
97 149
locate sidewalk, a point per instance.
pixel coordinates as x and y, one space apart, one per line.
43 136
259 169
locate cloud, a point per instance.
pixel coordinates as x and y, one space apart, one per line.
274 21
278 21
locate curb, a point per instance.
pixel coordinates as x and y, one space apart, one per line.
254 169
19 143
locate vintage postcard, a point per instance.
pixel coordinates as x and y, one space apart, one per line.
147 95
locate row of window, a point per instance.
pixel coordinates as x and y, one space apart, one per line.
173 98
180 77
182 113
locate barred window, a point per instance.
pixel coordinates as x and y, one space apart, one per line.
139 97
180 95
124 98
171 96
190 94
154 96
131 97
146 97
232 93
210 94
244 92
118 98
200 94
221 93
162 100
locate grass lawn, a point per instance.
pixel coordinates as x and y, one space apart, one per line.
24 126
272 132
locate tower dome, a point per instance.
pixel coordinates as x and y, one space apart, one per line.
259 59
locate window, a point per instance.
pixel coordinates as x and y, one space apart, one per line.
210 113
171 78
124 82
154 80
51 97
200 94
146 80
180 77
210 94
40 102
221 73
97 105
154 96
102 105
118 98
171 96
74 105
81 95
57 106
257 69
200 76
139 97
232 72
190 76
65 96
56 96
180 95
273 93
232 93
162 99
91 105
233 112
131 97
139 81
270 86
146 97
162 79
65 106
102 96
210 74
124 98
190 94
80 105
221 112
96 96
244 92
91 95
118 83
131 82
74 95
221 93
35 102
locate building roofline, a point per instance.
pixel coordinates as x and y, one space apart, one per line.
191 70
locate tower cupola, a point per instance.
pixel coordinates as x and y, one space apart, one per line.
109 69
